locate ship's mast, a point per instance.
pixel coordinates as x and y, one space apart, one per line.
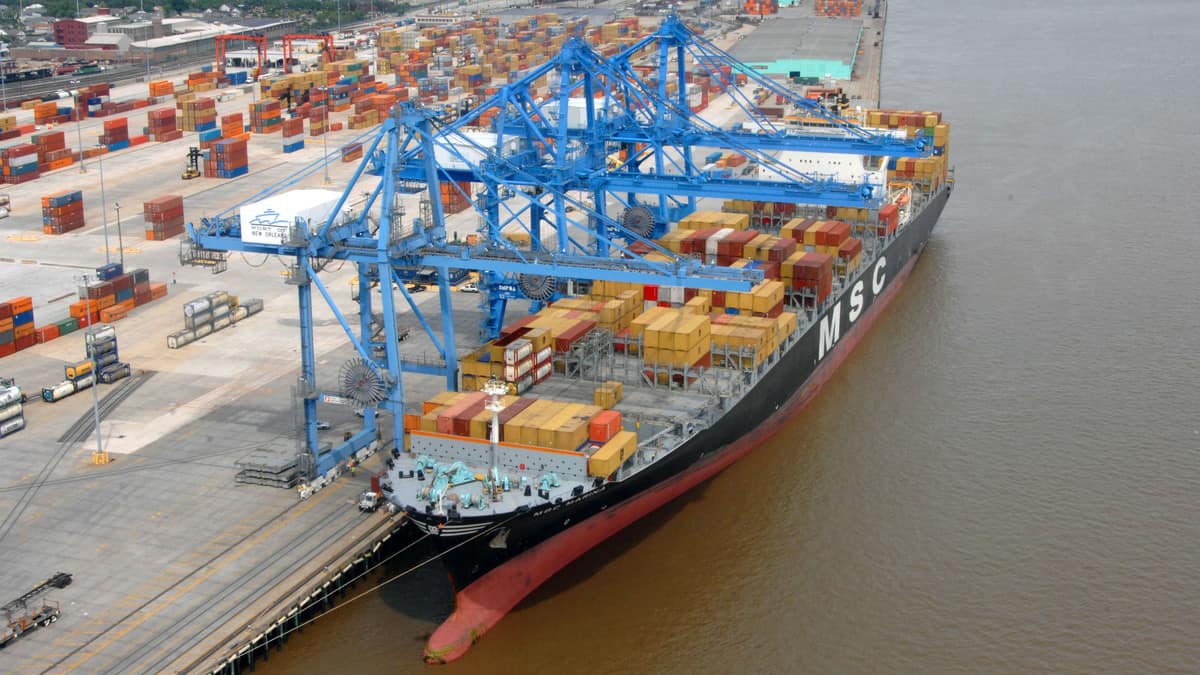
494 388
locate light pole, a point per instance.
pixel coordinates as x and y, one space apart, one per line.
103 208
325 144
120 241
83 280
79 135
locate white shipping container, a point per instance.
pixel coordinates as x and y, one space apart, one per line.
9 395
710 245
10 412
12 426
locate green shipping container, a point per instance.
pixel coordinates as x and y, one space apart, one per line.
67 326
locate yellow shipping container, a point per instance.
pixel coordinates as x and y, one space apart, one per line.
609 457
550 425
699 305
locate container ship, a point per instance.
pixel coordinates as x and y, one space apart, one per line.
602 407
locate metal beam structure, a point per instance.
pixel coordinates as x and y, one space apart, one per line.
542 168
259 40
325 39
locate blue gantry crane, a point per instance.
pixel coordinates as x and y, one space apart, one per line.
589 173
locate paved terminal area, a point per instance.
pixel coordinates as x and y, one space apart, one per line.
165 547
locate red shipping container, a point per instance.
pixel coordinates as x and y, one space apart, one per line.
604 426
7 349
25 342
567 338
445 419
47 333
850 248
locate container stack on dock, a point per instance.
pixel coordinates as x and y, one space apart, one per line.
62 212
8 127
16 325
227 158
352 152
106 361
48 332
845 9
456 197
209 314
161 125
116 134
199 114
112 299
19 163
53 152
164 217
12 412
293 134
78 376
266 116
161 88
232 125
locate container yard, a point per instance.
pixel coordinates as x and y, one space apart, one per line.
198 364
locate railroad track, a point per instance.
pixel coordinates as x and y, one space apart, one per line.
77 432
84 425
201 621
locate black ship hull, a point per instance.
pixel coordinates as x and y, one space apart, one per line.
494 561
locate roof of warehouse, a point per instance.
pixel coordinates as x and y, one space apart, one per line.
793 36
102 18
107 39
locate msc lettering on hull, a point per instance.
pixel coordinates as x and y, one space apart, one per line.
831 323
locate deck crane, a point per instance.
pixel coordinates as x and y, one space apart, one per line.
543 163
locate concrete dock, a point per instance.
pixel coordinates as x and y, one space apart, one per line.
168 552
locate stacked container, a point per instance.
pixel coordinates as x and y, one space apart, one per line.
62 212
12 414
116 134
845 9
164 217
53 152
227 159
676 338
352 152
199 114
161 88
209 314
16 325
161 125
455 197
7 338
231 125
19 163
102 350
809 272
317 121
265 116
293 134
